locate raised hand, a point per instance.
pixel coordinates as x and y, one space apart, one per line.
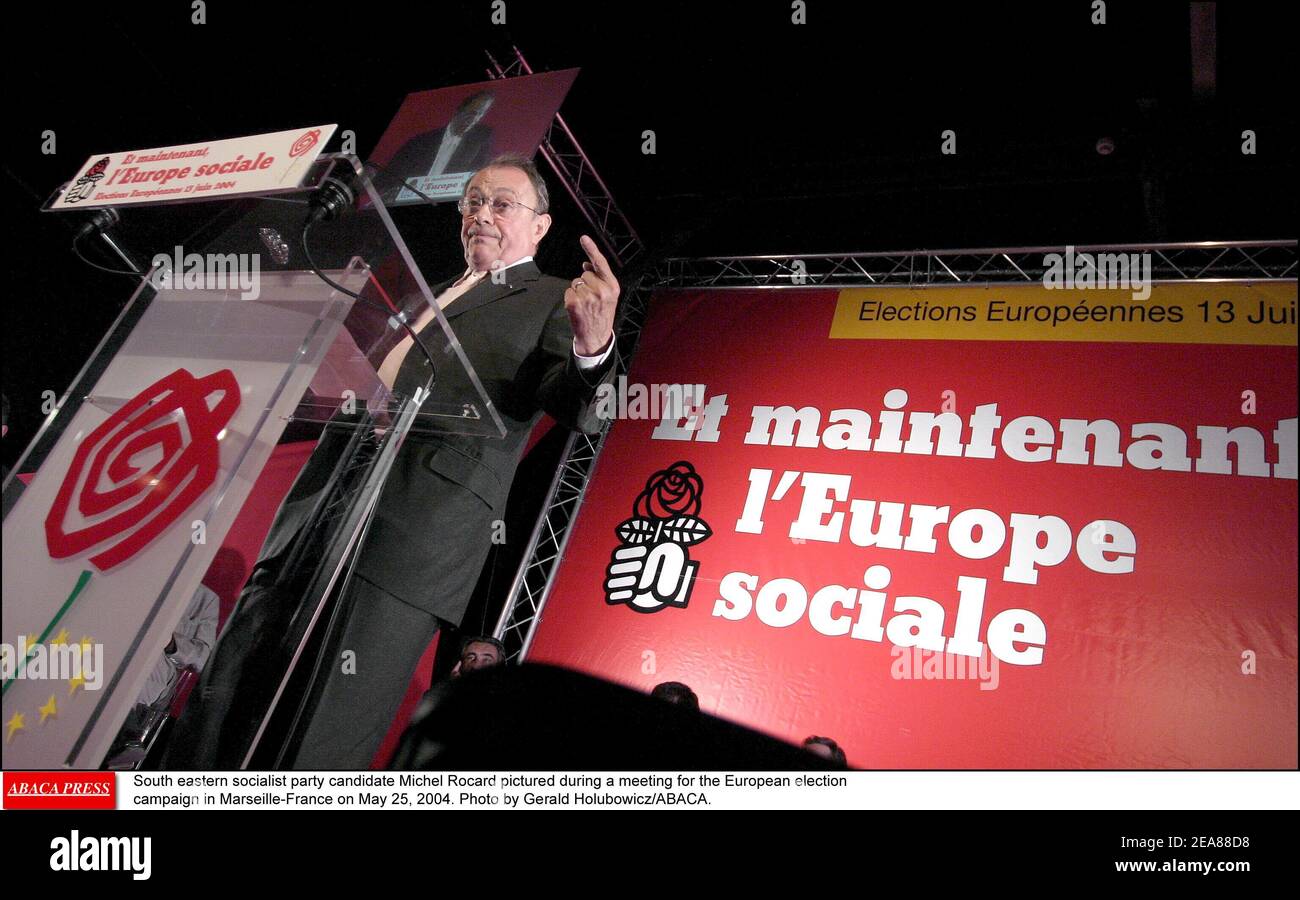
591 300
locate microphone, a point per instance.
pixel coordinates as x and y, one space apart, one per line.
334 197
101 222
100 219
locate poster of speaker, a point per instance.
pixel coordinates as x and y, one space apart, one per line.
440 137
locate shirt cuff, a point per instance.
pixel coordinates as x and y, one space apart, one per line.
591 362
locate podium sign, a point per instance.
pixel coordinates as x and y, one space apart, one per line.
260 164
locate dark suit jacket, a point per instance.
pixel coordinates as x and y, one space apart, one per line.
433 524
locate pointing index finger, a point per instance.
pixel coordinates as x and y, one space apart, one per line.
597 258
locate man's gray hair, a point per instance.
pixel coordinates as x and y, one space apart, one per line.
525 165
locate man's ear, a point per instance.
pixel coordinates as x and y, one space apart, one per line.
540 227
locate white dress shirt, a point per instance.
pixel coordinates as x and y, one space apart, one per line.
194 636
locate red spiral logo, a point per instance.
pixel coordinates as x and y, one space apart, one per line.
114 496
305 143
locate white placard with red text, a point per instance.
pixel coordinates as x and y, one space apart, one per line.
247 165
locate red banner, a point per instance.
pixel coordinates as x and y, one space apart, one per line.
60 790
950 553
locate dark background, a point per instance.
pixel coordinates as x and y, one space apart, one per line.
771 137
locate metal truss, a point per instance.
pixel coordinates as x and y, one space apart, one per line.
550 536
574 169
1227 260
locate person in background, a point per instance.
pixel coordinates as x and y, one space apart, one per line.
476 653
676 693
189 648
479 652
825 748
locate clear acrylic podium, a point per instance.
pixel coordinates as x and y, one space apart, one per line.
118 507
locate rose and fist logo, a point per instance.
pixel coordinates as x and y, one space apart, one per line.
116 499
85 185
651 569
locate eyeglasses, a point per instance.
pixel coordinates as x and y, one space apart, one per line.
501 207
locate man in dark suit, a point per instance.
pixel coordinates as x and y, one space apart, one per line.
537 344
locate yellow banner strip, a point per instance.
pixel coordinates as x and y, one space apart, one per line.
1262 313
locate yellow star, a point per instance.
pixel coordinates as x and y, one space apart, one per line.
60 638
76 681
86 644
49 709
15 724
